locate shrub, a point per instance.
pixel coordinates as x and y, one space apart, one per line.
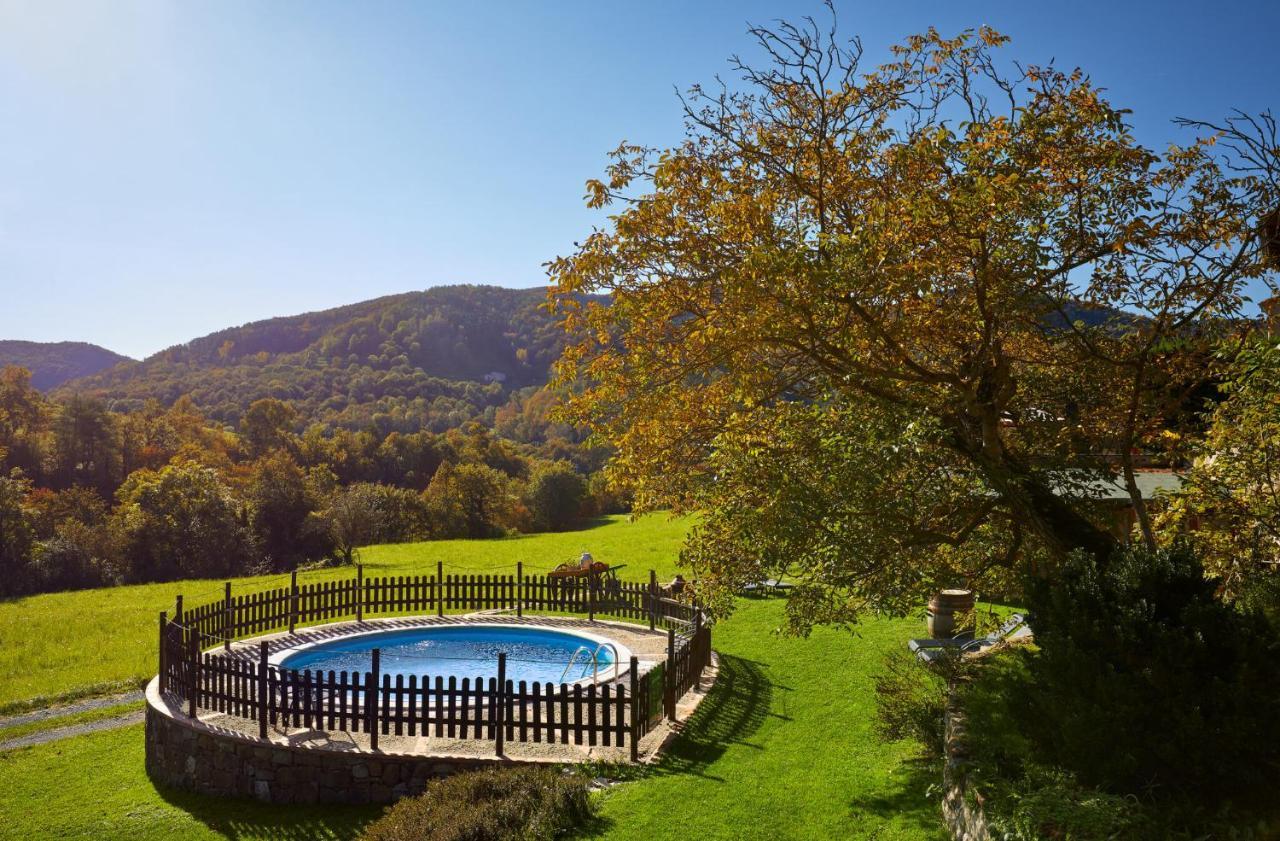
1049 803
75 557
911 699
1146 682
507 804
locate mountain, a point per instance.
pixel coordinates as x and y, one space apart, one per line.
53 363
432 359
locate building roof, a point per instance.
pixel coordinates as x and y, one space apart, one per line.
1151 483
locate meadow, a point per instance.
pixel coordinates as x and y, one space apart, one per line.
61 646
782 748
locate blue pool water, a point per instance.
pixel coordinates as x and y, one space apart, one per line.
533 654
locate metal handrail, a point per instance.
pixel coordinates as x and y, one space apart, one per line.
572 659
595 659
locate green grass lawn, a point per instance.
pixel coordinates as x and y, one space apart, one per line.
67 645
782 748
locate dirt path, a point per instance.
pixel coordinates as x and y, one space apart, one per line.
42 736
134 696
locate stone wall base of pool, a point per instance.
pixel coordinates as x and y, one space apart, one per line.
194 756
223 756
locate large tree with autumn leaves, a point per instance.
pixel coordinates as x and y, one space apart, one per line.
881 324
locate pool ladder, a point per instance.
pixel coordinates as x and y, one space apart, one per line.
595 659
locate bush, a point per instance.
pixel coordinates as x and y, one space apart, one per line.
1146 683
74 558
1049 803
911 699
508 804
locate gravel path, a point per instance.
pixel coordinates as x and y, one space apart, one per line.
42 736
134 696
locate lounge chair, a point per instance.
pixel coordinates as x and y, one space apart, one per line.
770 585
929 650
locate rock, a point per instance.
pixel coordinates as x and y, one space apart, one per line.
262 790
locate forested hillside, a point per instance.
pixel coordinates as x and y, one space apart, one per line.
53 363
422 360
294 441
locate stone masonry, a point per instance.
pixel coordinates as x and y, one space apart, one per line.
196 757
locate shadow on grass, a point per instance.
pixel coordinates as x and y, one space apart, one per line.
906 797
730 714
235 818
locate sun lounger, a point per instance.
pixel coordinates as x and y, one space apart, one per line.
771 585
931 649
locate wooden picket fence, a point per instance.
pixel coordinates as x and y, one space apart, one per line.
493 708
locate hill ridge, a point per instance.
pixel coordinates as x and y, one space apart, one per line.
54 363
430 358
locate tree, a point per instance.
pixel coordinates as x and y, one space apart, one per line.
469 500
366 513
75 556
23 416
555 495
971 277
17 536
181 522
86 447
1229 509
286 532
353 520
268 425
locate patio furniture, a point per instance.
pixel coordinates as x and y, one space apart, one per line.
929 650
768 585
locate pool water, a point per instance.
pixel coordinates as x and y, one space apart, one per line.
533 654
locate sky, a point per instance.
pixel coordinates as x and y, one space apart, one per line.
168 169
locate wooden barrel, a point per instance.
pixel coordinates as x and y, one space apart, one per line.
944 607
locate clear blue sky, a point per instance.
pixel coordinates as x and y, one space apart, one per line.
168 169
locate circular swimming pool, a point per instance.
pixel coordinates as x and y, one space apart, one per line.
471 650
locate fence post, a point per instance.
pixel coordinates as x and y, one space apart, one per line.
519 588
669 677
439 588
293 600
653 598
228 618
359 592
499 701
371 697
177 609
164 620
264 700
591 597
635 708
193 652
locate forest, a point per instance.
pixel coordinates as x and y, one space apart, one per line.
92 495
421 360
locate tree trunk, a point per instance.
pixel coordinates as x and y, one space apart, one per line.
1053 518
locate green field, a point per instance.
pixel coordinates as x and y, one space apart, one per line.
66 645
781 749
